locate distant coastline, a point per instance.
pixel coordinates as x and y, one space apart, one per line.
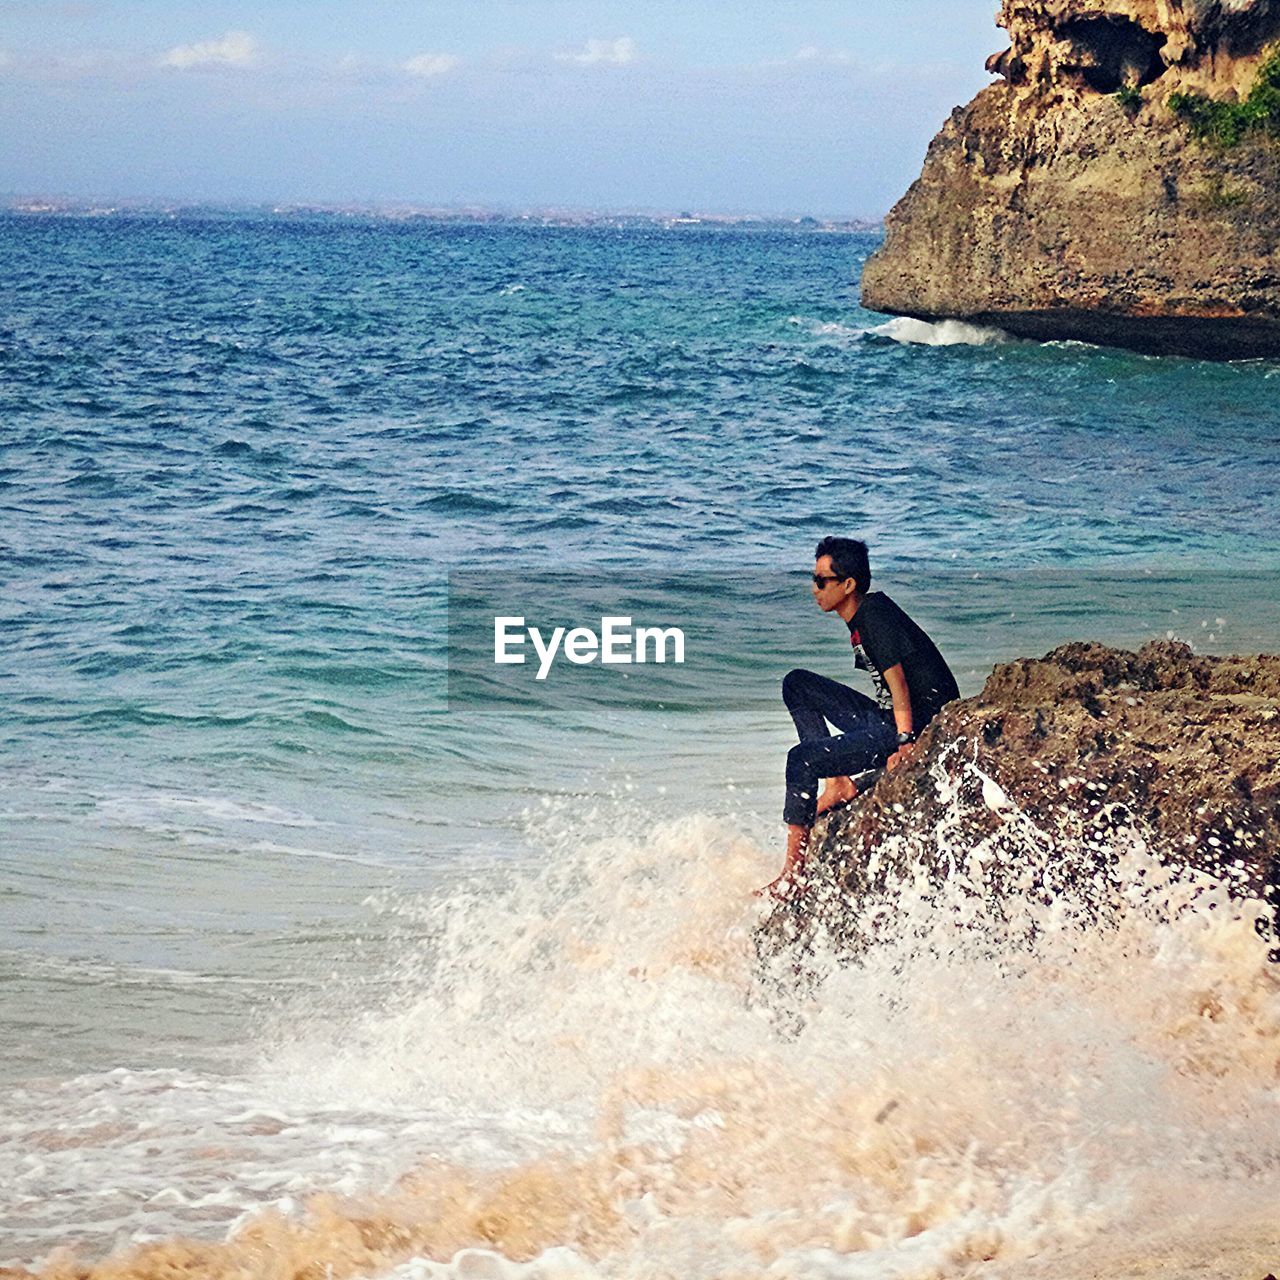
77 207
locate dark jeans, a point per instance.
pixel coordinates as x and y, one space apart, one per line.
867 738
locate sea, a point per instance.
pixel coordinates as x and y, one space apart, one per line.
331 947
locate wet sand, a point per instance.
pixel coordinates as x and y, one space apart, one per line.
1211 1247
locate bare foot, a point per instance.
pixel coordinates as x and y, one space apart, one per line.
792 877
837 791
782 888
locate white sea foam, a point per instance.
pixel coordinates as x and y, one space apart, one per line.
140 809
68 970
904 329
828 328
577 1073
325 855
939 333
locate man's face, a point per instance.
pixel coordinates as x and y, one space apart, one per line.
828 590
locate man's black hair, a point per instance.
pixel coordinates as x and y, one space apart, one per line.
848 560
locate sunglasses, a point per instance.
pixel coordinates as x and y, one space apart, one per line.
820 580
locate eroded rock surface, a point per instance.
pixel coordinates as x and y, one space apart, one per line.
1052 209
1067 759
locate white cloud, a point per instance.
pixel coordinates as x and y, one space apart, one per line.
615 53
831 57
6 59
235 49
813 56
430 64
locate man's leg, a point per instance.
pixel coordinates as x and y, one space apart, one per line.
866 748
814 701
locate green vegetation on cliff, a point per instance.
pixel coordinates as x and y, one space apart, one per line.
1129 96
1226 123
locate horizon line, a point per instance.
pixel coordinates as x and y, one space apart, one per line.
40 202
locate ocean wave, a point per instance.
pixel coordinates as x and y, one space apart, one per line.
642 1098
331 721
235 448
134 716
938 333
81 971
910 331
461 502
143 807
828 328
325 855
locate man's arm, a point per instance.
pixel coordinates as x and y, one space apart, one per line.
896 679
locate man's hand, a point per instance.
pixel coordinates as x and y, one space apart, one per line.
901 756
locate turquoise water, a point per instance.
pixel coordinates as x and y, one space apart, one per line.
240 459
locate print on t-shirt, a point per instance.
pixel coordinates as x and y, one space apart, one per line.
884 699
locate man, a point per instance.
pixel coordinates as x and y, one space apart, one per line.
912 681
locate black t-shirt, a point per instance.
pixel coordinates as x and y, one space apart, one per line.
883 636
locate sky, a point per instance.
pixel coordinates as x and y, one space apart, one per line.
737 106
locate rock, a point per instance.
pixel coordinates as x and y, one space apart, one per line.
1075 753
1069 200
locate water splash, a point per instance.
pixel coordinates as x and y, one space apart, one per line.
596 1086
939 333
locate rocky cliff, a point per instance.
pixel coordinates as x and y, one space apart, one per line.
1120 183
1053 771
